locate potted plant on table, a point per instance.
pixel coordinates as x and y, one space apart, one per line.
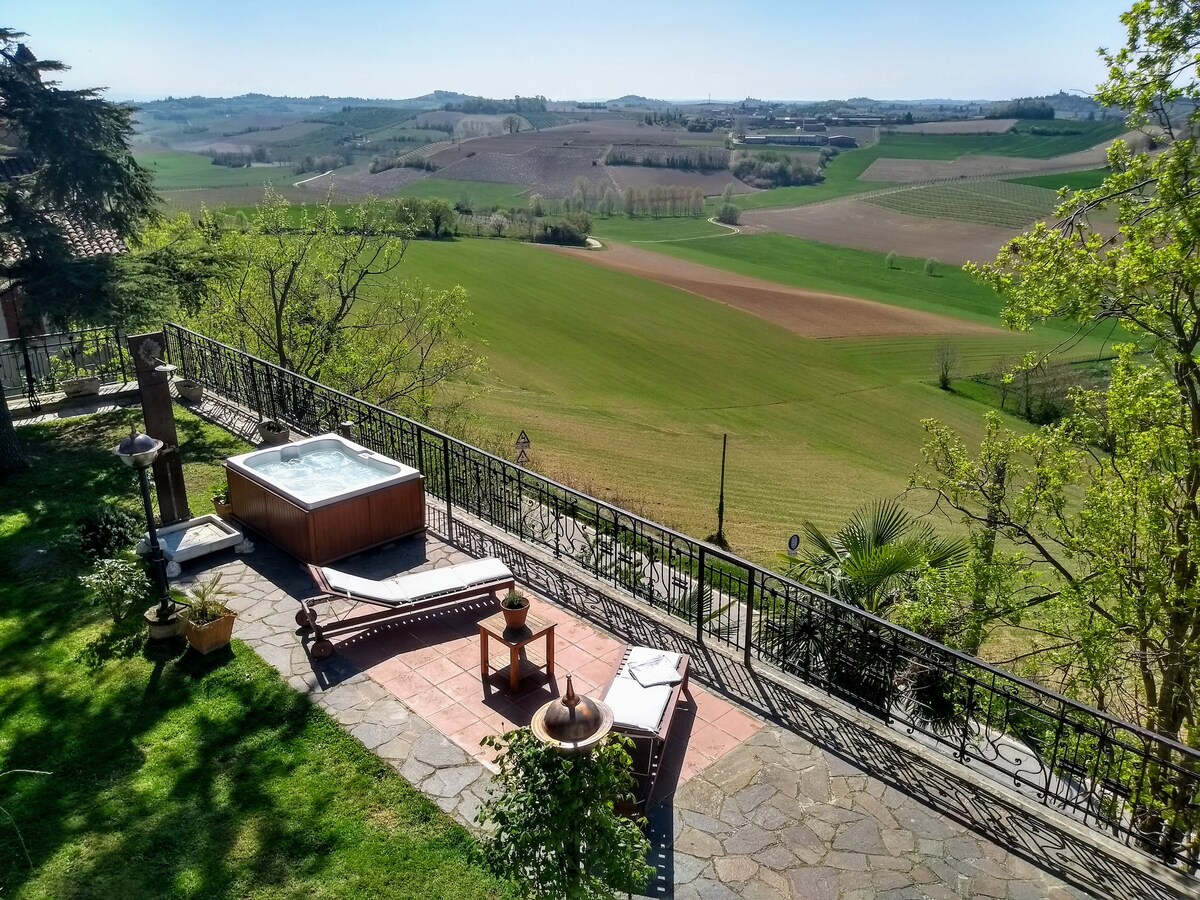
274 432
209 620
220 500
515 607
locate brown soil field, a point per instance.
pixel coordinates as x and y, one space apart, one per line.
971 126
643 177
361 183
807 313
863 226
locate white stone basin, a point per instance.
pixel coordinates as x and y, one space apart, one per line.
195 537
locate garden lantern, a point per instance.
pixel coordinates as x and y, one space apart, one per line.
138 451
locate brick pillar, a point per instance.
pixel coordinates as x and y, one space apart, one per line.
158 411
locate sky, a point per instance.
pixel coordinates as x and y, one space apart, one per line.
665 49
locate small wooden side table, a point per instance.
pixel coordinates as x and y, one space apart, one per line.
518 656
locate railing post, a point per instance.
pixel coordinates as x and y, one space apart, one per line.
749 617
446 482
700 596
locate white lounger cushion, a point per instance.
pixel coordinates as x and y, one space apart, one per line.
420 585
636 706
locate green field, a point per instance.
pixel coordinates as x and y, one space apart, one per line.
479 193
173 170
625 386
843 171
1072 181
1002 203
647 228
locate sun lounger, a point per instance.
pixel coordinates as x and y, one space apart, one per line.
643 709
397 596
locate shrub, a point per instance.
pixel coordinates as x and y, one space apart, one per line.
930 266
107 530
728 214
890 260
116 585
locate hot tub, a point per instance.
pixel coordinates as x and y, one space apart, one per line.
326 497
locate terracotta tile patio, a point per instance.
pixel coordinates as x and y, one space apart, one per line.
431 663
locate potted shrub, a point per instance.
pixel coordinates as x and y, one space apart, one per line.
209 621
220 500
68 376
274 432
515 607
189 390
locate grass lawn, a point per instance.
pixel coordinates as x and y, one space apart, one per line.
646 228
176 776
174 170
479 193
1073 181
625 387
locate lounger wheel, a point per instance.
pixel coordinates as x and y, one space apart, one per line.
302 617
322 649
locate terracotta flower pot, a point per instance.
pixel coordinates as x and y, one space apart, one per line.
224 510
210 636
515 618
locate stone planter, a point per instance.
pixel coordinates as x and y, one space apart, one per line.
191 391
84 386
273 433
211 635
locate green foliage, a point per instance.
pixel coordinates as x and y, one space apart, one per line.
117 585
107 530
874 560
318 294
889 261
728 214
773 169
207 603
556 831
514 600
930 267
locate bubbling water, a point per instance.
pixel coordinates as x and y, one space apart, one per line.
318 474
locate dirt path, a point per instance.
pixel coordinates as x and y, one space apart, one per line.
807 313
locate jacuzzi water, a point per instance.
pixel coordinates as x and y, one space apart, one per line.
319 473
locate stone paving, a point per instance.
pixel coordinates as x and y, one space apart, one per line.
781 815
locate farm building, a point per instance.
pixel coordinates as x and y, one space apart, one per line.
843 140
800 138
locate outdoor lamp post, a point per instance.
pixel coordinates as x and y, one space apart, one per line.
138 451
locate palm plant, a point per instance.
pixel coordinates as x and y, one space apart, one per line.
874 559
872 562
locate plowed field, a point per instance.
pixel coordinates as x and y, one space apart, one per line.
807 313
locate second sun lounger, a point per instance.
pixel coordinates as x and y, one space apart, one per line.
397 596
645 713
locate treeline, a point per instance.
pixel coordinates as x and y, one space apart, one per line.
324 163
689 161
234 160
1024 108
491 107
667 117
772 168
251 129
663 200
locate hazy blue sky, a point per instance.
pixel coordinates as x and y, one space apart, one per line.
676 49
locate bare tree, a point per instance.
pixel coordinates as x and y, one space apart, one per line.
946 361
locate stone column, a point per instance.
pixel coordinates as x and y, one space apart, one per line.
158 411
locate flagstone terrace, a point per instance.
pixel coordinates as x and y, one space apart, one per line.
845 777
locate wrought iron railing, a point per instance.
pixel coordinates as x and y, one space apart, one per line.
38 364
1136 786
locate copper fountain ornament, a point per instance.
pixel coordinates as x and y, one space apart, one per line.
572 724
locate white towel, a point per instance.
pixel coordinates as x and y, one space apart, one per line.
658 669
